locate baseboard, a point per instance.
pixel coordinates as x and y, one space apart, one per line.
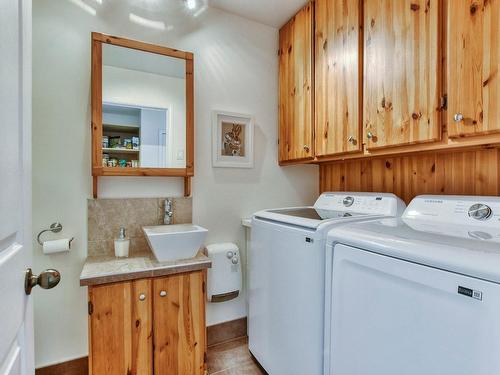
226 331
79 366
216 334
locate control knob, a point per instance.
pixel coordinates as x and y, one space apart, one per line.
480 211
348 201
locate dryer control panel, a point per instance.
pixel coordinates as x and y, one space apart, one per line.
461 210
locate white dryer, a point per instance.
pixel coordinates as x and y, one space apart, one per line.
286 283
416 295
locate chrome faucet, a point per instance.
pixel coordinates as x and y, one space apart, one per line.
167 218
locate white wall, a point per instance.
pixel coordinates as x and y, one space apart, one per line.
235 70
125 86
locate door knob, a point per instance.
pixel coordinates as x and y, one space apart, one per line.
458 117
369 135
47 279
351 140
306 148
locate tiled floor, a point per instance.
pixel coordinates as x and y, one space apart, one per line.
232 358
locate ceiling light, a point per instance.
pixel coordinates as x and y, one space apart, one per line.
200 11
191 4
84 6
146 22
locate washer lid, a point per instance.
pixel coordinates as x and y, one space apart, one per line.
469 250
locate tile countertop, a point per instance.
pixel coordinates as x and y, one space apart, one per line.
109 269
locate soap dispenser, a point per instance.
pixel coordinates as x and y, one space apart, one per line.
122 244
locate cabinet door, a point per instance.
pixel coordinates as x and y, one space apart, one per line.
402 75
296 87
120 328
473 67
179 324
338 76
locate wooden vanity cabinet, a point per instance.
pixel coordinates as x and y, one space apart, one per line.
296 88
473 67
338 71
402 74
148 326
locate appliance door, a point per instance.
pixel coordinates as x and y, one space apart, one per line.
392 317
286 293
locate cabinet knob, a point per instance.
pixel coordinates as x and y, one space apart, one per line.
163 293
142 297
458 117
369 135
351 140
234 260
229 254
306 148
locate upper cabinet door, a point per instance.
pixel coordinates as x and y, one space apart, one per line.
402 75
473 67
338 60
296 87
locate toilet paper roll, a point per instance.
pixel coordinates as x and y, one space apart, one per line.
56 246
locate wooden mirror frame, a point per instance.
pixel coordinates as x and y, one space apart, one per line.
97 129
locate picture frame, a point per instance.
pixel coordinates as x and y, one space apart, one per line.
232 140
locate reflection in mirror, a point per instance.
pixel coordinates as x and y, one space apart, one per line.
143 109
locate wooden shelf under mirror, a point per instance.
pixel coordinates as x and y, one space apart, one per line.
142 110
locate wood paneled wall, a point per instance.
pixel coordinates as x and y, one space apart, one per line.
462 173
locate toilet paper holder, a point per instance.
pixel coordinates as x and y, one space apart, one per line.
54 228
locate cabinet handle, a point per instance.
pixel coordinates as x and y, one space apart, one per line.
369 135
142 297
458 117
163 293
306 148
351 140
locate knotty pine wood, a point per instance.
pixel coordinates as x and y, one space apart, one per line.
473 66
179 329
338 76
402 74
296 87
120 329
460 173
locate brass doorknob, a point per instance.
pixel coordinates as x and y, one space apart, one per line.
46 280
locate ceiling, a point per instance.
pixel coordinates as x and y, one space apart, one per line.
270 12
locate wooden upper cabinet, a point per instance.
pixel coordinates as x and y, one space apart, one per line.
473 67
402 74
120 327
296 87
179 329
338 70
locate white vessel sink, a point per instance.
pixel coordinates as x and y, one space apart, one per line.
173 242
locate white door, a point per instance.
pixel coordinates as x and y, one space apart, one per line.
16 322
392 317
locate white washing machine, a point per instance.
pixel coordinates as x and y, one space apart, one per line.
286 283
416 295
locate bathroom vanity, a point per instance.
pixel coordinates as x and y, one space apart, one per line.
146 317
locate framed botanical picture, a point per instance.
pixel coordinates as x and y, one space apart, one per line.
232 140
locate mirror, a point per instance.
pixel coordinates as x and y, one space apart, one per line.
143 109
